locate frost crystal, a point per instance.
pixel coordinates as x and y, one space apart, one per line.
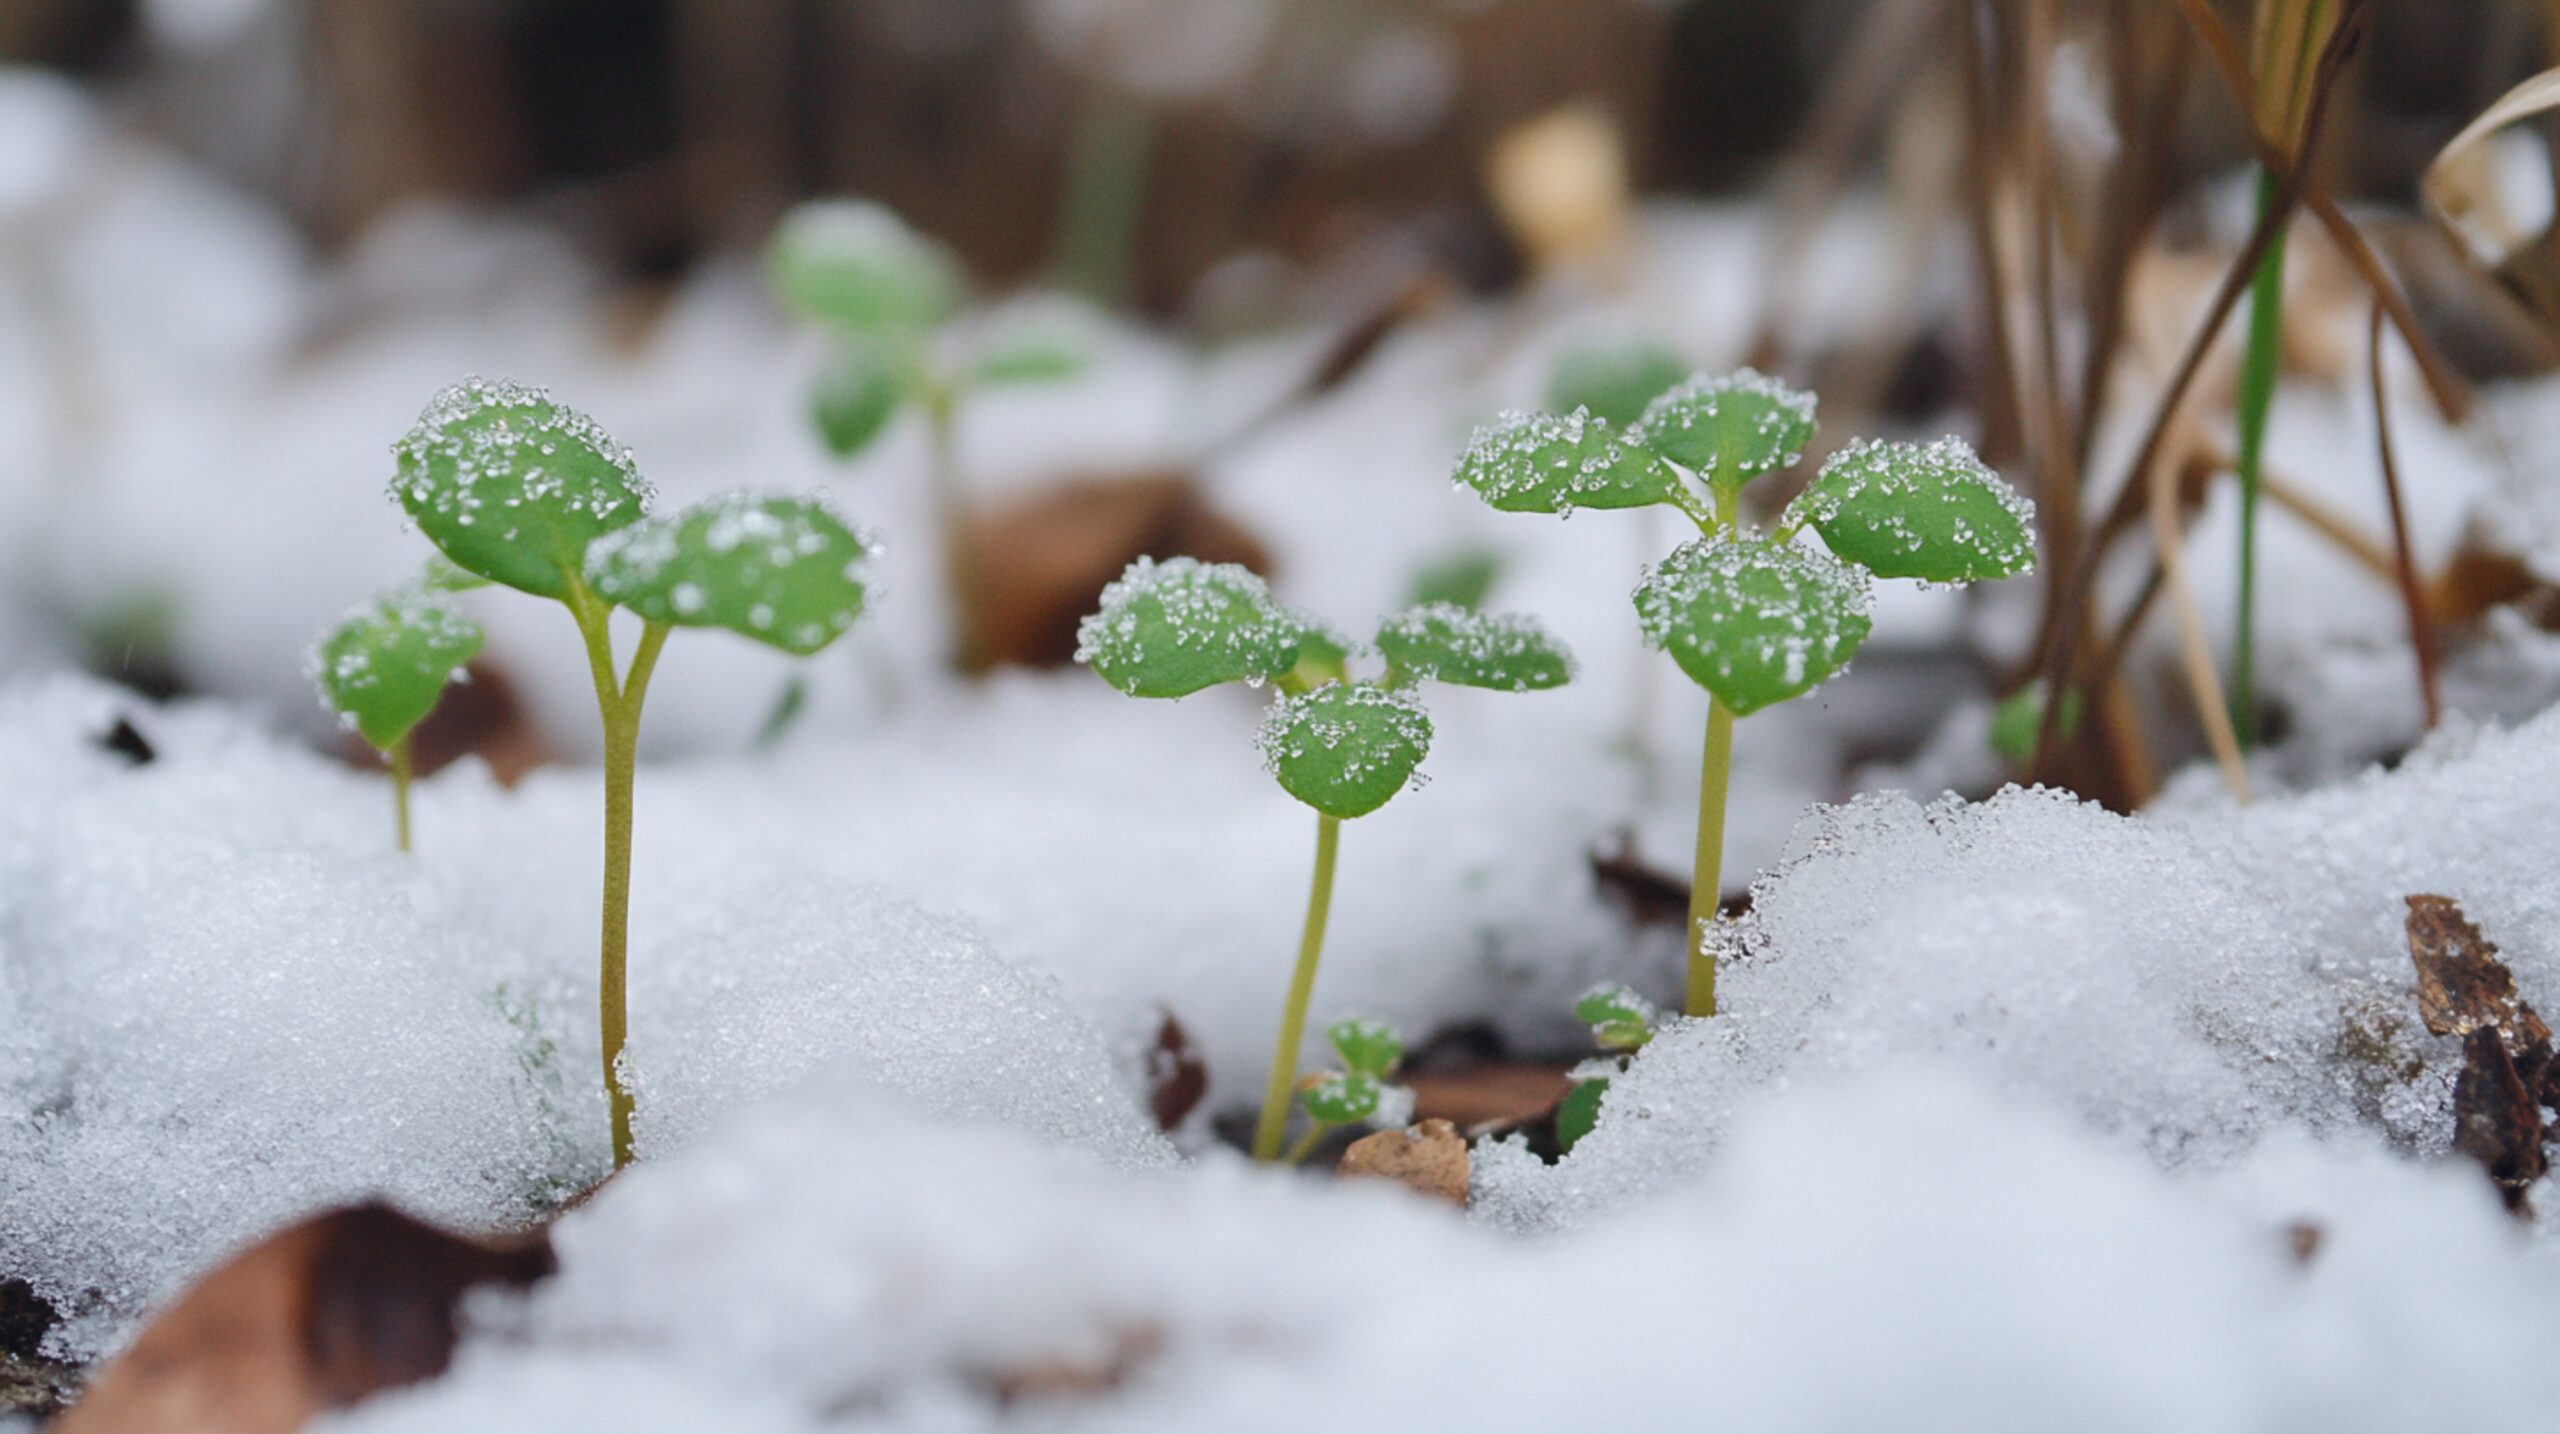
1937 513
1730 426
1551 463
1346 749
512 485
1449 643
1167 629
1753 621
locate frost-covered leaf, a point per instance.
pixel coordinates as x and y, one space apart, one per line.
1579 1113
857 266
384 667
1465 579
1614 381
1754 621
1046 340
858 393
1170 629
785 571
439 575
1905 510
1342 1097
1367 1045
1446 643
513 486
1324 653
1619 1019
1546 463
1345 750
1730 428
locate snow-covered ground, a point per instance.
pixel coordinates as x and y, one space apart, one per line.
2004 1127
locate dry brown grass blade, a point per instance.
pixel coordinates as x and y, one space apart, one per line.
2204 683
2404 562
2065 617
2453 198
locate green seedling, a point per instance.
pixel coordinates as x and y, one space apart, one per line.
1756 618
2019 719
887 298
385 666
1340 745
533 495
1622 1022
1361 1092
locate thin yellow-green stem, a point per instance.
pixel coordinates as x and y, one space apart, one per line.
1282 1087
399 755
1305 1145
618 703
1707 878
960 578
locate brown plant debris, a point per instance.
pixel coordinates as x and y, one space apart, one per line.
2508 1071
1176 1075
1428 1158
316 1317
1491 1096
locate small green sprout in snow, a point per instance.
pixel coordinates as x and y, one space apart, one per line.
1344 746
385 666
1622 1022
1360 1093
2019 720
523 491
1756 619
888 299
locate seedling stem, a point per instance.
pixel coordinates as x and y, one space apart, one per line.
2257 396
1283 1084
400 769
1706 879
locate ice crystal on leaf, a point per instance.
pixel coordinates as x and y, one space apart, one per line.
1549 463
1170 629
785 571
1730 428
1905 510
1754 621
1346 750
512 485
383 668
1448 643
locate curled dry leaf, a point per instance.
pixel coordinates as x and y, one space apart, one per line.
1428 1158
1494 1096
1042 557
1176 1075
315 1317
2508 1072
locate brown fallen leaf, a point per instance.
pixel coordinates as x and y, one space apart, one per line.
2508 1071
1647 894
315 1317
2462 984
1176 1075
1062 1378
1043 559
1428 1158
1503 1095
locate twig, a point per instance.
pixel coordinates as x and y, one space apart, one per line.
2422 638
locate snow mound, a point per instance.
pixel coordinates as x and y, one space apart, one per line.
1901 1250
2191 983
225 1000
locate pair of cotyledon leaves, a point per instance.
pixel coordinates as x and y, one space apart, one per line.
1756 620
1172 628
882 289
516 489
1370 1051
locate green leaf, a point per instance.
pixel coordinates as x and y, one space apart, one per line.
1614 381
1447 643
439 575
785 571
1344 749
1934 512
1324 654
1579 1113
856 266
1752 620
858 393
2018 720
1543 463
1036 341
384 667
1729 428
1342 1098
513 486
1463 579
1367 1046
1619 1019
1170 629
